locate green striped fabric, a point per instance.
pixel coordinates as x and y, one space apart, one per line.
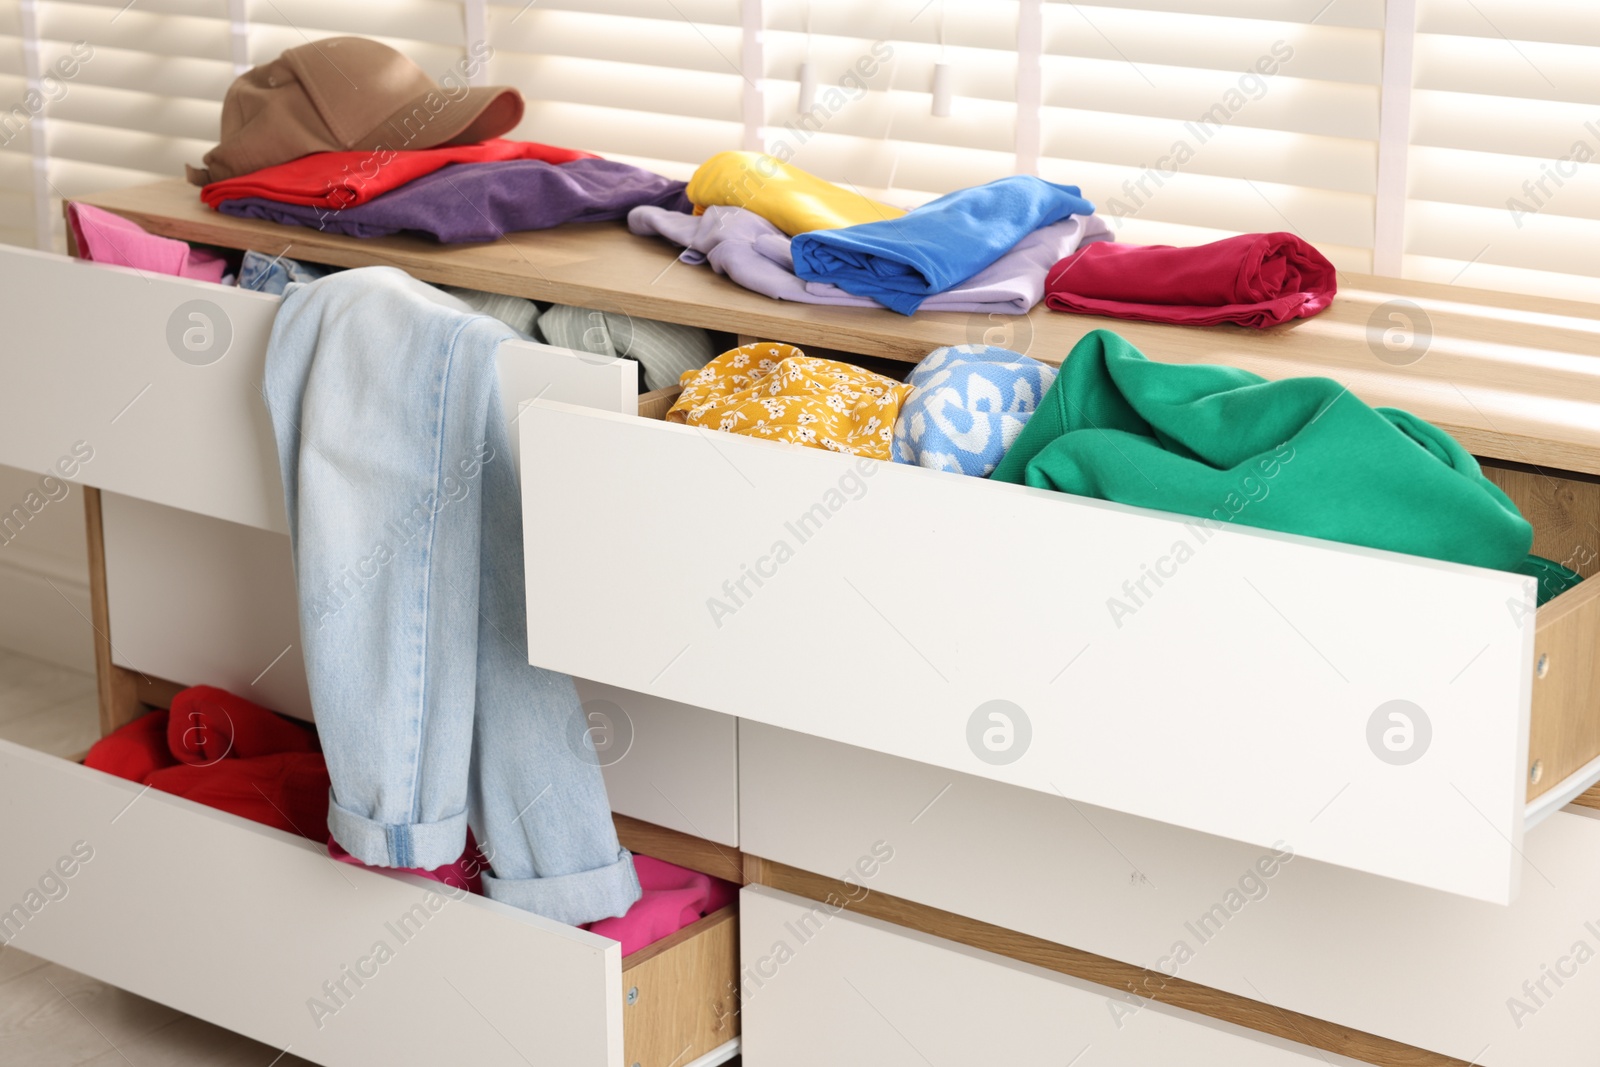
663 350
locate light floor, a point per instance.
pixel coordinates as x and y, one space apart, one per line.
53 709
53 1017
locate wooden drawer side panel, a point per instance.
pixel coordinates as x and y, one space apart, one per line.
1564 730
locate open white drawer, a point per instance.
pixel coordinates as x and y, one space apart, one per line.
965 624
260 932
199 574
209 913
161 378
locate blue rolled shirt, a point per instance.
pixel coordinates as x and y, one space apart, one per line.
901 262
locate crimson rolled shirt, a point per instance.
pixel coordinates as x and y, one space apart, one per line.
1255 279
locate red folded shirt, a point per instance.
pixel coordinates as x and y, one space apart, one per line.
222 751
208 724
288 790
344 179
1255 279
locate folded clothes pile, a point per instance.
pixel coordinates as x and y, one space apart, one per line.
994 249
304 145
757 255
902 262
338 180
777 392
349 136
483 201
776 230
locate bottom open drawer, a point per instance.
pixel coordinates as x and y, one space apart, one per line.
261 932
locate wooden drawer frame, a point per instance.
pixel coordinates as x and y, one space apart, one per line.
597 266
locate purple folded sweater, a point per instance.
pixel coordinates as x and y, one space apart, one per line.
481 201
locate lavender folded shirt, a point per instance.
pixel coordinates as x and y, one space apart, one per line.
755 254
481 201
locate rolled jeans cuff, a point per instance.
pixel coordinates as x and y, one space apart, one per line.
585 897
418 845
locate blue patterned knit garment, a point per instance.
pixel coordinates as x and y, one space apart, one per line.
967 404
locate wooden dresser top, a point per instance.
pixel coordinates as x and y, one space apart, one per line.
1515 378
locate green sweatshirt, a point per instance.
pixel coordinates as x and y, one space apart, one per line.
1301 455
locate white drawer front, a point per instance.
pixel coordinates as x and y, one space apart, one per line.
1245 698
92 354
242 925
836 988
199 600
203 601
1413 965
666 763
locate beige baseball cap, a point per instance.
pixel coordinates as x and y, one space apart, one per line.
347 94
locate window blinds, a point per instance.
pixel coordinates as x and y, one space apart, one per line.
17 217
867 118
652 82
145 96
431 32
1504 161
1185 120
1191 120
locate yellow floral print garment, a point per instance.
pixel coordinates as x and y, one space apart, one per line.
775 390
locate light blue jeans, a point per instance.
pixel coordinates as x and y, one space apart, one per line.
406 523
272 274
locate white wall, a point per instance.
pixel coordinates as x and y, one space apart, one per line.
44 575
